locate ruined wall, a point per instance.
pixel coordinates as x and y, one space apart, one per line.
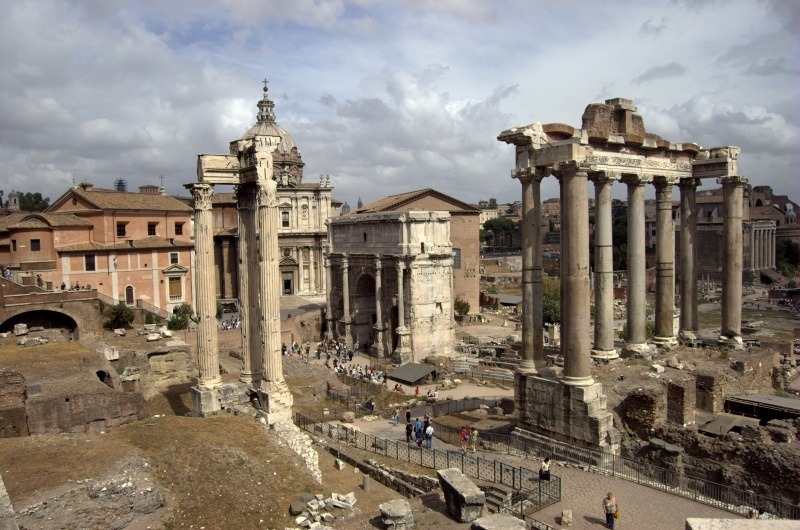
84 413
303 326
644 410
709 393
13 393
758 371
681 399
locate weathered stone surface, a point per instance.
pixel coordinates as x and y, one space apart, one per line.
566 517
397 514
348 417
463 498
498 521
297 507
20 329
338 464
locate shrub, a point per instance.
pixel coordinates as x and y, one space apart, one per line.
118 316
180 317
461 307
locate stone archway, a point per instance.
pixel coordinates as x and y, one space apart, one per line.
45 318
363 308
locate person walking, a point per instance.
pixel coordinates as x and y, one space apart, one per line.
544 470
473 438
464 437
408 413
396 416
610 509
419 431
429 436
409 431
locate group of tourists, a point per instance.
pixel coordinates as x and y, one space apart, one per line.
420 431
232 323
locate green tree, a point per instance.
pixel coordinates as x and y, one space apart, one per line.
461 307
787 257
551 299
499 226
118 316
33 202
180 317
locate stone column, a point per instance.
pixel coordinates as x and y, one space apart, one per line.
772 248
226 269
688 258
312 268
733 196
532 343
403 352
401 316
665 263
637 336
377 347
348 337
270 281
603 269
575 342
204 395
252 354
331 323
761 251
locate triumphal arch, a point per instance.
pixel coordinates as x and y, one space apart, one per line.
612 146
249 167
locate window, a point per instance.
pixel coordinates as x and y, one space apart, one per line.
456 258
88 262
178 229
285 219
151 229
36 245
129 298
14 245
121 229
175 291
173 258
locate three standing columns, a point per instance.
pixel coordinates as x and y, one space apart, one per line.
603 269
532 317
637 335
575 342
205 295
733 197
688 328
665 263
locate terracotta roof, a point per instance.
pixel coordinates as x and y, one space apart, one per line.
398 202
144 243
11 219
47 220
124 200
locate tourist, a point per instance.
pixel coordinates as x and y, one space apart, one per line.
610 509
473 438
464 437
429 437
63 286
408 413
370 405
416 391
409 430
418 431
386 379
544 470
396 416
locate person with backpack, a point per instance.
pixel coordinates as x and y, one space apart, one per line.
419 431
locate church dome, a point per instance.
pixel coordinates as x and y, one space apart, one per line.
266 126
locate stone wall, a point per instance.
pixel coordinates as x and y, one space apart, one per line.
681 400
13 393
758 371
84 413
644 410
303 326
709 392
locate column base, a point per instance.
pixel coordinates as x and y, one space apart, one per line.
276 402
605 355
251 378
205 402
577 381
527 368
664 342
731 342
687 335
403 353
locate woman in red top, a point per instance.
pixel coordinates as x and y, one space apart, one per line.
464 438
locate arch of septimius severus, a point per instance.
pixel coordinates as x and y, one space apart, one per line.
249 167
611 146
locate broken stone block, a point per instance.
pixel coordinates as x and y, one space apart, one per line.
463 498
498 521
20 329
396 514
349 417
111 353
338 464
566 517
152 337
119 332
297 507
657 368
345 502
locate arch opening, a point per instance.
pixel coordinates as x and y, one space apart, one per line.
47 319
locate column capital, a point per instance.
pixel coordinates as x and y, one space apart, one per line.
245 195
689 182
531 174
732 180
572 167
636 179
266 194
201 193
661 181
378 262
604 177
344 261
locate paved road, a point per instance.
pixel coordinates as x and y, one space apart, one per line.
642 508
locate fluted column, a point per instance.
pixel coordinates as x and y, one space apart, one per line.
348 336
772 248
688 258
603 269
665 263
331 323
205 297
532 343
762 252
733 196
377 347
637 335
575 341
252 355
401 312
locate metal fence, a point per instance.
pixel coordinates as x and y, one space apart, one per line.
541 492
681 484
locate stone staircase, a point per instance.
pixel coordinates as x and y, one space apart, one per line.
465 365
496 495
503 375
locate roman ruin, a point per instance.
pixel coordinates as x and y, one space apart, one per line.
611 145
249 167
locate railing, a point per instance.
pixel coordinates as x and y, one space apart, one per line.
671 481
518 478
150 308
107 300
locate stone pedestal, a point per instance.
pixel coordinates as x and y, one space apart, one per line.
402 354
205 402
396 514
463 498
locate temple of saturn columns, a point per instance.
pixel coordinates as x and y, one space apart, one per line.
248 167
612 145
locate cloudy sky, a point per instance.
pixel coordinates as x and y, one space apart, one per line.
383 96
